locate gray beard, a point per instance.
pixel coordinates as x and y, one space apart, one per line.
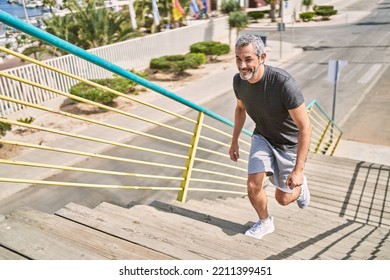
252 74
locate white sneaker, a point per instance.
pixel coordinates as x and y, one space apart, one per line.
259 229
304 198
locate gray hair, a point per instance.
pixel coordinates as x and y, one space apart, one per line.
255 40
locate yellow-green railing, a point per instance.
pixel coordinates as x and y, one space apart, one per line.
325 133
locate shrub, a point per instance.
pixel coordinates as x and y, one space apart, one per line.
256 15
4 127
177 63
324 11
194 60
322 7
238 20
210 48
98 95
92 93
307 16
28 120
228 6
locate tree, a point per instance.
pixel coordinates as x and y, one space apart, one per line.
273 4
228 6
238 20
307 4
50 3
87 26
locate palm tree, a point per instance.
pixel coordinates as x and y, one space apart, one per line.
273 4
307 4
238 20
50 4
87 26
61 27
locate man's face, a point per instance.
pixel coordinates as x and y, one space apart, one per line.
248 63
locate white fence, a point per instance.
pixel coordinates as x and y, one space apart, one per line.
134 54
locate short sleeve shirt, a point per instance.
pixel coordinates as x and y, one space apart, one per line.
267 103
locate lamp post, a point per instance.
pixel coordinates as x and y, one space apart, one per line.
281 26
25 11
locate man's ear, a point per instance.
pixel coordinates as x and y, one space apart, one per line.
263 56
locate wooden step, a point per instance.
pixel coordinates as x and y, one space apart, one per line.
200 224
291 212
275 244
200 237
297 232
6 254
80 238
36 242
334 167
129 229
230 206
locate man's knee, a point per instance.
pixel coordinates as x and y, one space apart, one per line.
282 198
255 184
283 201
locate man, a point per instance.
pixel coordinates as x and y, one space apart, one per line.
281 139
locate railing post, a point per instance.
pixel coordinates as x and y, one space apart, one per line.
322 137
182 195
337 142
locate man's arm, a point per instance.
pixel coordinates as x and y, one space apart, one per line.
239 121
301 119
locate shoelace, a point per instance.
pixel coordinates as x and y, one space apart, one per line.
257 225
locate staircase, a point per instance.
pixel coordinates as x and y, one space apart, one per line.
348 218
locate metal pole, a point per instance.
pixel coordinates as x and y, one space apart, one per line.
280 49
292 27
281 26
334 97
335 90
25 11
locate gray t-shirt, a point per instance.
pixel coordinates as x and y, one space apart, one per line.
267 102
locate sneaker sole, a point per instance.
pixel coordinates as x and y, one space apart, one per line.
307 197
259 236
270 230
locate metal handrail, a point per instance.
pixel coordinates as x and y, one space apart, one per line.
325 133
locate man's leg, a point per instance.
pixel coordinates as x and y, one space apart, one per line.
284 165
257 194
258 198
300 194
260 162
284 198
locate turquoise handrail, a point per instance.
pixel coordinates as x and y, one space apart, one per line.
72 49
314 102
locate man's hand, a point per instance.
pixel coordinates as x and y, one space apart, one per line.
295 179
234 152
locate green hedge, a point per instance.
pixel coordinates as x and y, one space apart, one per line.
324 11
307 16
101 96
177 63
322 7
210 48
256 15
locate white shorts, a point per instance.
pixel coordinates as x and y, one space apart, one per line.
264 158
